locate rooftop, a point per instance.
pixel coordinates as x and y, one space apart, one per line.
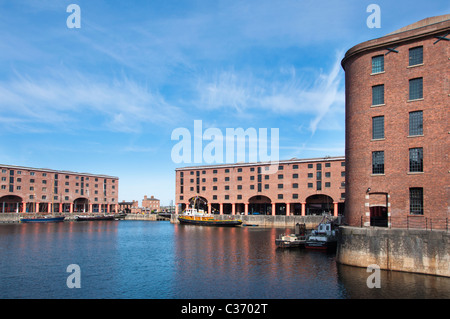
47 170
433 26
281 162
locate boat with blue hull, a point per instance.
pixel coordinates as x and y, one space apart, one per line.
43 219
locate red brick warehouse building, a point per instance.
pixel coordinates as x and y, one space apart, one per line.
300 187
397 127
31 190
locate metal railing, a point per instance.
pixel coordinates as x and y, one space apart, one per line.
408 222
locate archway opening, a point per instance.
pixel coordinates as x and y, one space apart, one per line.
259 205
11 204
198 202
81 205
319 205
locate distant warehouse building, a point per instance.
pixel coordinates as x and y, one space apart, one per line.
397 127
299 187
30 190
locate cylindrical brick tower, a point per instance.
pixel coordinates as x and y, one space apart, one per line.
398 128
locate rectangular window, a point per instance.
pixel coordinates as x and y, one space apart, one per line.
416 159
294 196
377 127
416 89
378 94
416 123
280 186
319 186
415 56
378 162
319 176
416 201
378 64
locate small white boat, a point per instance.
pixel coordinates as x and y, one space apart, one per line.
293 240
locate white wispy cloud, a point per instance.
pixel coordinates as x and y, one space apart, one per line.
64 98
242 92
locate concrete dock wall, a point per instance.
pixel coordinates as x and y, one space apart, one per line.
270 221
416 251
9 217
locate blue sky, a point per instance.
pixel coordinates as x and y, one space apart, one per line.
105 98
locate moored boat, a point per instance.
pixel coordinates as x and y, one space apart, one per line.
298 239
43 219
291 240
324 237
193 216
120 216
93 217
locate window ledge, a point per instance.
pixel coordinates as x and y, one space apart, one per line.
414 66
412 136
414 173
377 139
377 73
378 105
377 174
421 99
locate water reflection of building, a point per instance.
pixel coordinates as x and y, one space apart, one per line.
26 189
300 187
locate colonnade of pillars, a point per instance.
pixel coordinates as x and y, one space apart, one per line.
59 207
246 205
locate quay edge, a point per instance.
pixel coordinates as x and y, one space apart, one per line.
276 221
11 218
408 250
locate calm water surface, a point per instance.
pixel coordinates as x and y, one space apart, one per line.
159 260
